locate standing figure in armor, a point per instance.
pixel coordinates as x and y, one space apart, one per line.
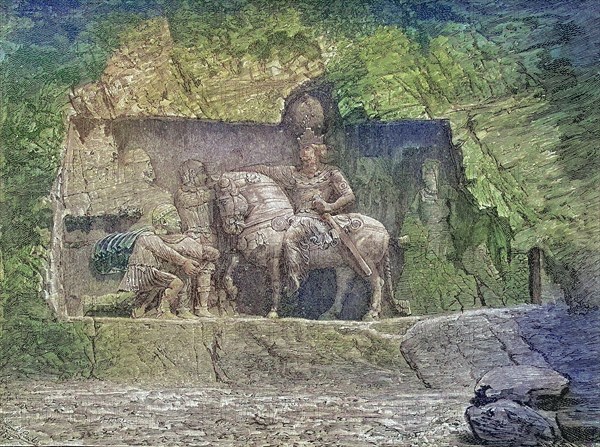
156 258
316 191
193 201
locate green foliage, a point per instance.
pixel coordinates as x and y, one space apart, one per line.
471 227
390 76
97 42
35 79
31 341
34 343
432 283
256 33
379 75
336 18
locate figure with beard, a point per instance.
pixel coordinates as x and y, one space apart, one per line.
315 189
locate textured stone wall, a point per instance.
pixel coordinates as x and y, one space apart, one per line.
122 155
131 130
151 76
240 351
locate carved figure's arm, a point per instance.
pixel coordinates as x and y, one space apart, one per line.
163 251
282 175
345 195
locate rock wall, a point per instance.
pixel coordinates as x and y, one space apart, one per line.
511 104
122 156
456 351
448 354
504 132
152 76
241 351
130 131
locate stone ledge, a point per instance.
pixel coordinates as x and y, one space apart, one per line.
245 350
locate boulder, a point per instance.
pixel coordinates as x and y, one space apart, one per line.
509 423
531 385
453 351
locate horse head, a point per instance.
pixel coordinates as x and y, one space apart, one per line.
233 206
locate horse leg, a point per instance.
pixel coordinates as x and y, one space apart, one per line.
275 275
343 277
231 290
377 283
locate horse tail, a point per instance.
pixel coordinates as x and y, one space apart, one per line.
387 272
401 306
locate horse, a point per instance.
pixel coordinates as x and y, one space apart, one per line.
257 212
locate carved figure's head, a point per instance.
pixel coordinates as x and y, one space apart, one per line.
232 206
166 220
311 158
193 173
313 152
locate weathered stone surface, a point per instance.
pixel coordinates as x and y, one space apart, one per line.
451 352
571 344
359 411
454 351
243 350
507 423
101 190
99 180
294 380
581 422
529 385
152 76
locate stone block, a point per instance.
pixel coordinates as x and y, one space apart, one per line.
507 423
242 350
454 351
530 385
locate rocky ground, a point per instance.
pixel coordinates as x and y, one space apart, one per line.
103 413
400 382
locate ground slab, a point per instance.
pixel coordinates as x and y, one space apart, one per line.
254 381
348 414
241 350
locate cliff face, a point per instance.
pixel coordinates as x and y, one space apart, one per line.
554 48
150 75
316 382
521 141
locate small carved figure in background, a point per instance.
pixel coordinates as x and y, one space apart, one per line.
433 210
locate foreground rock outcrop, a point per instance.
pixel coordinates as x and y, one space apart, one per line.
404 381
243 350
531 385
509 403
508 423
457 351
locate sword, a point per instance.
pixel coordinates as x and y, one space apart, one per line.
348 243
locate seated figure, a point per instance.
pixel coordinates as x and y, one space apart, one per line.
316 190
